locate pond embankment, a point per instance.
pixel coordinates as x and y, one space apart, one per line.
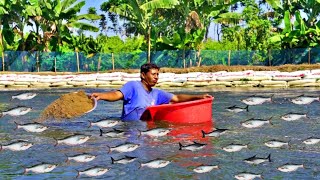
247 78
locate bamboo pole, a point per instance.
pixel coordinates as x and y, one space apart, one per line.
78 62
149 44
229 56
2 55
99 61
38 66
309 56
269 56
55 64
112 57
184 58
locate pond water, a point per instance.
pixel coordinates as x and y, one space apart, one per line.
12 163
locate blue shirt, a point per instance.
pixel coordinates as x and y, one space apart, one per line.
136 99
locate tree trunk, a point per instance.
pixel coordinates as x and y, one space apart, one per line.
2 48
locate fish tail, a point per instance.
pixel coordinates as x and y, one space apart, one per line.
0 147
67 160
90 124
56 142
1 114
101 132
270 120
269 157
261 177
109 149
203 133
78 173
112 160
247 108
180 146
140 165
25 170
139 133
17 125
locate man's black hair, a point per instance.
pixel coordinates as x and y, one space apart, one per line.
146 67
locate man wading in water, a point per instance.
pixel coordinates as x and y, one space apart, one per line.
138 95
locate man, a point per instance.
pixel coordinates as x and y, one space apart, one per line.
137 95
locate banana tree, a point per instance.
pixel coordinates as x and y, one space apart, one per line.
139 13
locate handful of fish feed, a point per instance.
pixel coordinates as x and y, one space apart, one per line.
68 106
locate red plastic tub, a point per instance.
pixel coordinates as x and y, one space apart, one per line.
197 111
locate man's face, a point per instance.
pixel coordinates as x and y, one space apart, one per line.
151 77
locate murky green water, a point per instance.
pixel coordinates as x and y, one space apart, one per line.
12 163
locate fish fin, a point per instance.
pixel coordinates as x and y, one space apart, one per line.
16 125
269 157
101 132
203 133
90 124
247 108
112 160
180 146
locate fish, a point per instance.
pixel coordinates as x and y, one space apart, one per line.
40 168
215 133
85 157
156 163
234 147
254 123
293 116
205 168
276 143
256 100
247 176
73 140
256 160
192 147
290 167
17 146
17 111
104 123
125 160
31 127
127 147
237 109
304 99
24 96
93 172
311 140
155 132
114 133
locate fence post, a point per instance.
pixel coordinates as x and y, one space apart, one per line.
99 61
309 56
55 64
112 57
269 59
229 56
38 66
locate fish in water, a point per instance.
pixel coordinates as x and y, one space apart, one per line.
17 146
85 157
93 172
24 96
73 140
192 147
113 134
104 123
247 176
234 147
311 140
237 109
215 133
290 167
276 143
254 123
127 147
256 100
31 127
156 163
256 160
125 160
294 116
304 99
205 168
18 111
40 168
155 132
